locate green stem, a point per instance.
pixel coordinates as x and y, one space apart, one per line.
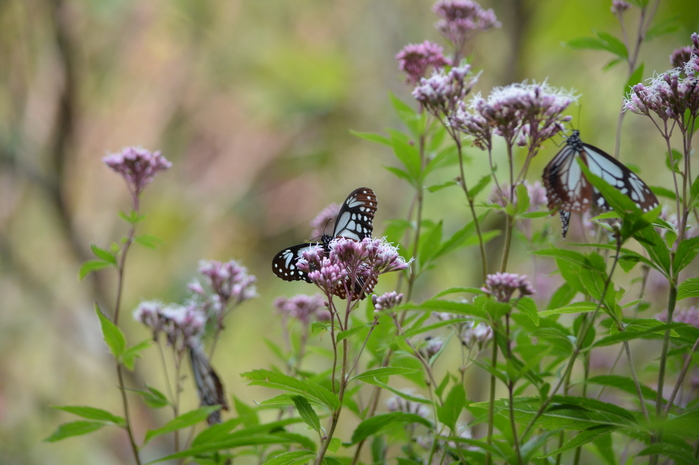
491 400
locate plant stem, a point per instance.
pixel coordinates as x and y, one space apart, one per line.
491 397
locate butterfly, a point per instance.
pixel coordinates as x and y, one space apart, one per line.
354 221
569 191
209 386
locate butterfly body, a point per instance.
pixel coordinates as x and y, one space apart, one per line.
568 190
354 221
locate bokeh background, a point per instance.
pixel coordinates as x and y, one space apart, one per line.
253 102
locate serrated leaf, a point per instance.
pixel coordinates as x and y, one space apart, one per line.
449 412
306 412
104 255
132 353
92 413
112 335
183 421
686 252
153 397
333 447
381 374
150 241
527 305
91 265
75 428
307 389
291 458
377 423
689 288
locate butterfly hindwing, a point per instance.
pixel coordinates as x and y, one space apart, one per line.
284 263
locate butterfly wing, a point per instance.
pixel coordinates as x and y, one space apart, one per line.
209 386
566 187
623 179
356 217
565 222
284 263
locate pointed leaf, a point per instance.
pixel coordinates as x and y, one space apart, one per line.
371 137
307 413
377 423
183 421
113 336
75 428
91 265
307 389
92 413
453 405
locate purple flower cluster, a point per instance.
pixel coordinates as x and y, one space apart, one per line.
183 325
386 301
416 59
619 6
689 316
432 347
323 219
442 93
476 334
503 285
350 269
137 166
521 113
673 93
462 19
303 308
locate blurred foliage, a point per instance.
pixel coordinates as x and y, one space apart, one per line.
253 102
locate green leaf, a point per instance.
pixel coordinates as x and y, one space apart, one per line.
373 425
291 458
345 334
624 383
401 174
583 438
150 241
689 288
183 421
245 412
613 45
113 336
575 307
429 241
527 305
381 374
440 186
663 192
480 185
91 265
460 308
104 255
274 380
334 446
153 397
408 154
672 161
629 335
371 137
453 405
132 353
307 413
605 449
679 456
686 251
561 297
586 43
522 199
444 159
75 428
92 413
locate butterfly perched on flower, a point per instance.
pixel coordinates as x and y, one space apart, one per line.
569 191
354 221
209 386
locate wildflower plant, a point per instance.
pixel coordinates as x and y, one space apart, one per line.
336 396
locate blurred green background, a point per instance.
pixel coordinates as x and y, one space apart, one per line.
252 101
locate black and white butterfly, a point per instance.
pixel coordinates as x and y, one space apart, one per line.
569 191
209 386
354 221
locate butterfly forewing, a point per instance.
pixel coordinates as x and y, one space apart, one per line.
356 217
569 191
354 221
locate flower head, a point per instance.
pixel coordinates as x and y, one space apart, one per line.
396 403
503 285
229 281
350 268
416 59
137 166
432 346
462 19
680 56
619 6
303 308
442 93
386 301
475 334
521 113
183 325
667 96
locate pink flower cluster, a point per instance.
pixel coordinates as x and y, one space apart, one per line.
137 166
443 92
416 59
386 301
183 326
350 269
673 93
619 6
461 19
303 308
521 113
503 285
